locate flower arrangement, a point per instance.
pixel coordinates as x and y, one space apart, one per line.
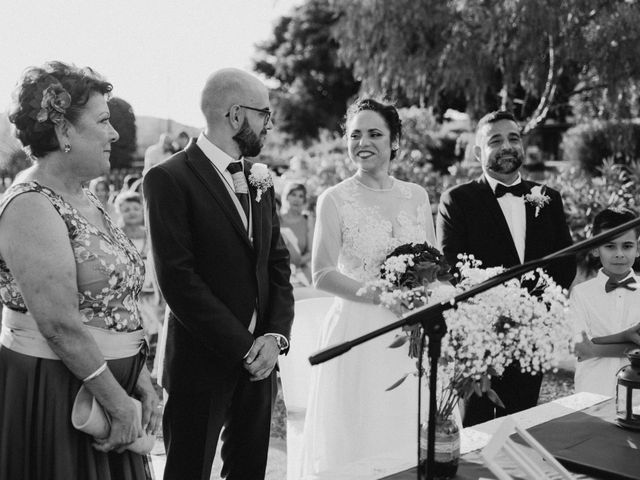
55 102
403 284
537 198
260 178
521 320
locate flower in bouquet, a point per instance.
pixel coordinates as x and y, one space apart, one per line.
260 178
403 284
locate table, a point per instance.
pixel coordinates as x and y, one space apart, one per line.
473 439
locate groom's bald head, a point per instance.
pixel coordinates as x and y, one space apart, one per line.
227 87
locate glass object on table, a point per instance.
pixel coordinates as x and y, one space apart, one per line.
447 449
628 392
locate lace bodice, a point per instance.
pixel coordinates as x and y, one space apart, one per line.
109 269
358 226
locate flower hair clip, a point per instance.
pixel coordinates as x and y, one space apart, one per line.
538 198
55 102
260 178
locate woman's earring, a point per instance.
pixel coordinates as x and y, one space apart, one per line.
395 146
67 148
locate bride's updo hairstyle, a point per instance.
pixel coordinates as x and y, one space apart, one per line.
46 95
387 111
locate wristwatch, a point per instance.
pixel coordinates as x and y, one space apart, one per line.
281 341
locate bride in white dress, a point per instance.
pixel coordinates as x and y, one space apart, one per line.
350 416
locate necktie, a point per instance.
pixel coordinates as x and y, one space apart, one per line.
626 283
240 185
518 190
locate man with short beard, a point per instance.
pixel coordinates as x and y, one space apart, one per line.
224 270
490 218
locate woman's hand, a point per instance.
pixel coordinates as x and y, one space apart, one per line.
125 427
151 405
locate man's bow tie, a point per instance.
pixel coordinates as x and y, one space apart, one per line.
518 190
627 283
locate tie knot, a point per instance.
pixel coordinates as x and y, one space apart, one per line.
626 283
518 190
235 167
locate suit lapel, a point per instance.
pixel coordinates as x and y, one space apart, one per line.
206 172
494 212
533 236
256 210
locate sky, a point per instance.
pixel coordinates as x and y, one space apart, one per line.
156 53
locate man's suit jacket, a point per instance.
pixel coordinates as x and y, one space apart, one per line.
211 274
470 221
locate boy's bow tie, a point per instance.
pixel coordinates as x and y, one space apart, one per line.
627 283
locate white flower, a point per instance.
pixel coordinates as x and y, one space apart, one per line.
537 198
260 178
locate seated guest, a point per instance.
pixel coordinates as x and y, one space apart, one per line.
69 281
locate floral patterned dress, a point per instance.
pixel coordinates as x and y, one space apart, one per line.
37 439
350 416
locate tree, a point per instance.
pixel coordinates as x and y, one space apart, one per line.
530 54
314 86
124 121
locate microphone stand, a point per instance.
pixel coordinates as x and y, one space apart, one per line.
432 320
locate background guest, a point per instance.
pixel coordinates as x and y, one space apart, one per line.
158 152
297 225
101 188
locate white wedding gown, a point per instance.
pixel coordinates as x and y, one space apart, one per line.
350 416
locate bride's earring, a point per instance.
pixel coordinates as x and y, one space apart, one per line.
67 148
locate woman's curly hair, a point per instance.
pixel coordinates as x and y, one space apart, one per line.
44 96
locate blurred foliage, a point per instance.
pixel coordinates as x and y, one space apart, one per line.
314 86
585 195
14 162
527 55
587 144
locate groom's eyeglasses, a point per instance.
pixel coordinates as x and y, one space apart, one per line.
265 111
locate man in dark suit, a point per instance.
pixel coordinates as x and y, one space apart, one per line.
490 218
224 271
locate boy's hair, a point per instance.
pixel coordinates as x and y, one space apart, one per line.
613 217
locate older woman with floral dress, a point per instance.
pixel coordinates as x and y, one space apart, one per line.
69 279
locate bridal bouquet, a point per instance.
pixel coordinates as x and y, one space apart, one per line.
404 280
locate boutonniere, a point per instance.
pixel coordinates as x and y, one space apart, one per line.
537 198
260 178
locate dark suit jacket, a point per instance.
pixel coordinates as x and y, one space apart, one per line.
209 271
470 221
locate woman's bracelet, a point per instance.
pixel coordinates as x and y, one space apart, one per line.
98 371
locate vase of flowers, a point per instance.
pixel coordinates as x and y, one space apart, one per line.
446 448
521 320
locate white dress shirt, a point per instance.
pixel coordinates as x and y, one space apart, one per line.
514 213
599 313
221 161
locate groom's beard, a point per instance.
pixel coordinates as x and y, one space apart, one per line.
506 161
248 141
